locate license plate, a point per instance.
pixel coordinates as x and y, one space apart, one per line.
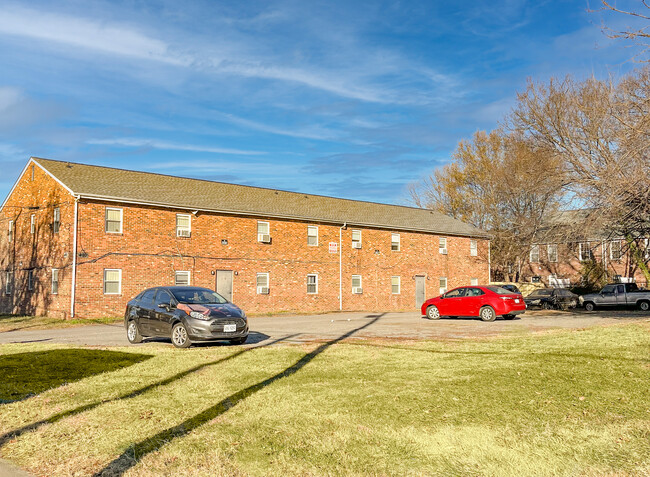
229 328
516 300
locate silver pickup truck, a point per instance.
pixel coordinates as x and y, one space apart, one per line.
617 294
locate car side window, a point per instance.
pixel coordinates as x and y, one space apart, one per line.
621 289
474 292
455 293
163 297
147 298
609 289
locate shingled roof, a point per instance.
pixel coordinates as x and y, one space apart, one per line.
195 194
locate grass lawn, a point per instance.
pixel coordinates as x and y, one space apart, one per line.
562 403
21 322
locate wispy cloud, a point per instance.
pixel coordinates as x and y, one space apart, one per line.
170 146
314 132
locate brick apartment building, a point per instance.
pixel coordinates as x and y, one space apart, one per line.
563 255
82 240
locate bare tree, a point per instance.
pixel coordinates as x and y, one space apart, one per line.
639 36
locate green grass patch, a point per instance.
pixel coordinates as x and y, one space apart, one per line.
22 322
561 404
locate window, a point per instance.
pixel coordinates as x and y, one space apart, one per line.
647 248
113 220
32 223
55 281
585 252
552 252
394 242
10 232
395 285
163 298
457 293
473 281
312 235
443 285
473 248
534 254
356 284
262 283
442 245
356 239
615 252
312 284
112 281
183 225
30 280
182 278
9 278
263 232
56 221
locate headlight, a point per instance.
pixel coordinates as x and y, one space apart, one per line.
535 302
198 316
581 300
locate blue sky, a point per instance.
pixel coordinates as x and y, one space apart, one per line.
353 99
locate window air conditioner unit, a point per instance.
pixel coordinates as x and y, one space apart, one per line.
264 238
183 233
443 251
357 290
263 290
356 244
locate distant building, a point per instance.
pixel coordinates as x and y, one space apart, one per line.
82 240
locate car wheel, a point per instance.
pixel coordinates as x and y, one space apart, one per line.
644 306
239 341
589 306
546 305
487 314
433 313
573 304
133 333
179 336
509 317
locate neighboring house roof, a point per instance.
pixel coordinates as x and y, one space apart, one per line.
194 194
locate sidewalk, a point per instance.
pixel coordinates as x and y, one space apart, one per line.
9 470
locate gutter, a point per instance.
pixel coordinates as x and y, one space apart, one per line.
74 256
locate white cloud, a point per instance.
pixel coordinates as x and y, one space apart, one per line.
157 144
308 133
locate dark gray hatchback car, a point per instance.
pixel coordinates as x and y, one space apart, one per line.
184 314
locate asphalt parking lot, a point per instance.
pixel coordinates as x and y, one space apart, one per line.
352 325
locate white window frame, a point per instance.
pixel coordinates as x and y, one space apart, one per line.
30 280
178 273
552 247
399 285
10 232
442 245
620 250
55 281
315 275
443 289
581 252
358 240
395 239
261 223
121 222
310 234
266 279
533 256
119 283
180 228
56 220
9 278
32 224
647 248
473 247
473 282
360 279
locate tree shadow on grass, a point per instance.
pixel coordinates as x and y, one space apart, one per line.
62 415
140 449
27 374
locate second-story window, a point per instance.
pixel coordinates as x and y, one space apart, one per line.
32 223
312 235
442 245
356 239
473 248
552 252
534 253
263 232
394 242
183 225
615 252
113 220
10 231
56 221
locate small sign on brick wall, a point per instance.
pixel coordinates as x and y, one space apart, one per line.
334 247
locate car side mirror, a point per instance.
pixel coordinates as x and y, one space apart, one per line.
165 306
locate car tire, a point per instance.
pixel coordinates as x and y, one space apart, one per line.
239 341
180 339
509 317
133 333
573 304
433 313
589 306
547 306
644 305
487 314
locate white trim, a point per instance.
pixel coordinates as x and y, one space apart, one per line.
360 241
360 287
267 286
189 277
9 282
399 285
315 283
106 209
548 253
311 227
32 224
189 226
446 287
392 241
620 250
473 248
53 281
535 247
119 270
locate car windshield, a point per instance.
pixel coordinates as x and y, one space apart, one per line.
499 290
542 292
197 296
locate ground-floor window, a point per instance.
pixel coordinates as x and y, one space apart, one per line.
55 281
112 281
395 285
312 284
262 283
181 278
9 278
356 284
443 285
30 280
473 281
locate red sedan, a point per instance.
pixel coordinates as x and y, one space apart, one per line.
486 302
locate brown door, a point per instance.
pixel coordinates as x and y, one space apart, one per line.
224 284
420 291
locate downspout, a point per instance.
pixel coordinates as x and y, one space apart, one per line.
345 224
489 262
74 256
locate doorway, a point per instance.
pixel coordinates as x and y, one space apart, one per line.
420 290
224 284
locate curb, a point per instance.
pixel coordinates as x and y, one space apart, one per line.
9 470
